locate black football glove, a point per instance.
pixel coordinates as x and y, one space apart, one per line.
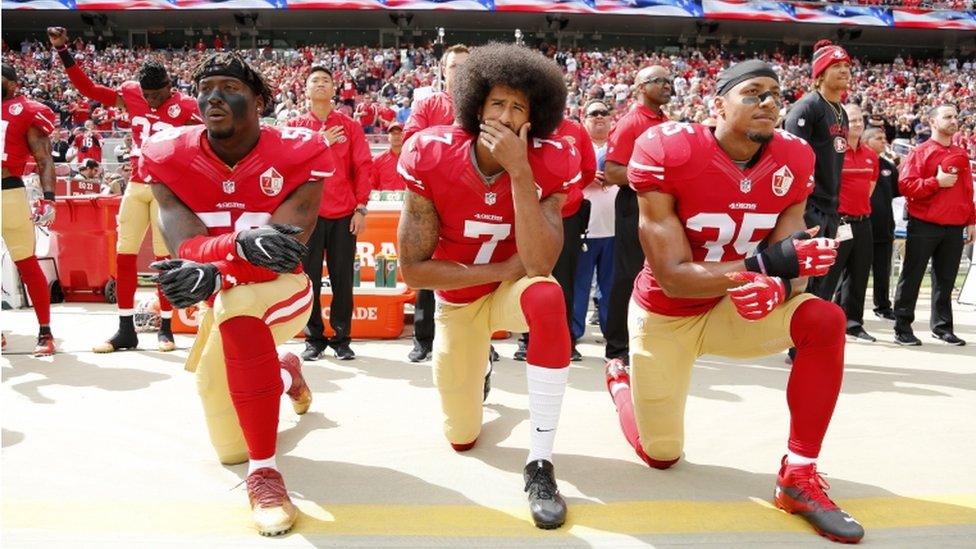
272 247
796 255
186 283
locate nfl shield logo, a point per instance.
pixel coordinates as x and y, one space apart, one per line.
229 186
782 180
745 185
271 182
491 198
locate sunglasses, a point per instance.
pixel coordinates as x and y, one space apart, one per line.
659 80
598 112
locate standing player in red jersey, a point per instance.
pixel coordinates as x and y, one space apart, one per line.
151 106
27 126
481 225
708 199
238 233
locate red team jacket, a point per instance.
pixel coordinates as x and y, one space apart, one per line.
477 221
434 110
384 176
243 197
575 134
926 200
725 211
350 185
860 171
19 114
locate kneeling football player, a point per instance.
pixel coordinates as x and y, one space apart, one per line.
707 199
481 226
236 201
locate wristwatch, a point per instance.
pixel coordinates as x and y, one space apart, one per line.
361 210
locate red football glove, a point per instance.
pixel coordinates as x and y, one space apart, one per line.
43 213
758 294
815 256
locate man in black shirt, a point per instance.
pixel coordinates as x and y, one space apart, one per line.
819 119
60 147
882 222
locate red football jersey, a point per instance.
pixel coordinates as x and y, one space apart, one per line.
178 110
726 211
89 145
19 114
239 198
477 220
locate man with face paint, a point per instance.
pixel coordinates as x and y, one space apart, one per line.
727 258
820 120
27 126
152 105
481 225
342 215
237 201
654 86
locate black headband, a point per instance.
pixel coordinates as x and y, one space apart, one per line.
233 68
9 72
740 72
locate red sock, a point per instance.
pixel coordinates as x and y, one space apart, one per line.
817 328
33 277
254 381
126 283
624 402
545 312
165 307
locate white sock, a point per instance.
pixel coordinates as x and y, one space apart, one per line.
285 380
797 459
255 464
546 389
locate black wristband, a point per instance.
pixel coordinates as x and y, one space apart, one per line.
66 58
48 195
754 265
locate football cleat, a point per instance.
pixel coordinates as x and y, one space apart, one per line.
271 508
123 339
45 345
545 502
166 342
299 393
801 490
617 373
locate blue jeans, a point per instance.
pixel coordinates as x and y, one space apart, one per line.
597 257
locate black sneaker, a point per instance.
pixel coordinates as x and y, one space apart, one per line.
419 353
520 352
493 355
574 355
343 352
886 315
487 382
545 502
907 340
950 339
858 332
312 351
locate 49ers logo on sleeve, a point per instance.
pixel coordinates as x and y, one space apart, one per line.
16 109
271 182
782 181
174 110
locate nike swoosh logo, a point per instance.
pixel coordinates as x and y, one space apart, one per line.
257 242
538 430
199 279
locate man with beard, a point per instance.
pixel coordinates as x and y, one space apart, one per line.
653 85
239 232
481 225
151 105
27 126
708 199
937 181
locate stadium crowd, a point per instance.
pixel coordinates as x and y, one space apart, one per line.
377 86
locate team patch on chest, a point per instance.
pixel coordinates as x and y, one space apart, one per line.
271 182
782 181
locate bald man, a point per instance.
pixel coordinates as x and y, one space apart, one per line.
653 87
